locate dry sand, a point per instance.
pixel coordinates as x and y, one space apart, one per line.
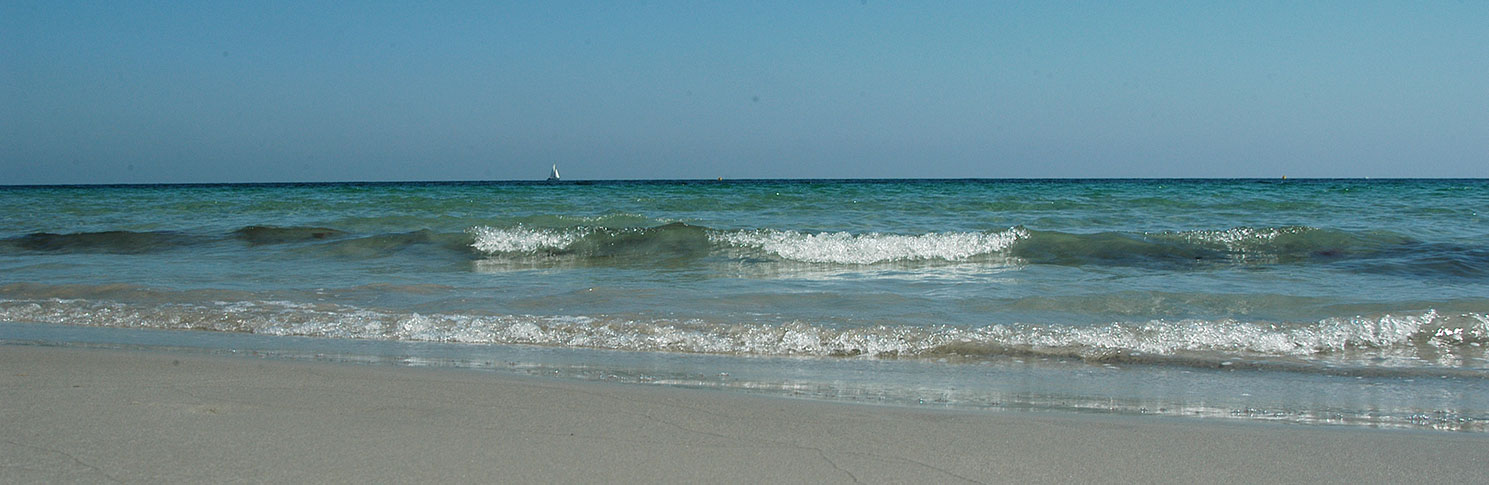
94 415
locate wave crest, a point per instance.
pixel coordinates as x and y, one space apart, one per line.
846 248
521 239
684 240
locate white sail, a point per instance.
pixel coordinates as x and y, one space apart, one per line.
553 176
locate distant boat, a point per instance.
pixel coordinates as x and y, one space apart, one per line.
553 177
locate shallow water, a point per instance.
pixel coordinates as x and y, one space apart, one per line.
1350 301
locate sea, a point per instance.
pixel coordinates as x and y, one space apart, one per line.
1315 302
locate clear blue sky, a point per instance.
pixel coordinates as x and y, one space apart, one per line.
130 91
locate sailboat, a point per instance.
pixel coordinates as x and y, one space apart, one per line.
553 176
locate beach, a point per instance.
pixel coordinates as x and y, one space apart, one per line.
1303 301
108 415
776 331
784 242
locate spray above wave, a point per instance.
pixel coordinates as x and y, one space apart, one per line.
1425 342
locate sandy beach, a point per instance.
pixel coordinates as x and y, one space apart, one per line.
95 415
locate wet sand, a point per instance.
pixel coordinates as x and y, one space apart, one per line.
99 415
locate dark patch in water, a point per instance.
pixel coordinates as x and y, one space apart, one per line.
257 235
117 242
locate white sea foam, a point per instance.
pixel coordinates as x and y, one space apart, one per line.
847 248
520 239
1400 339
827 248
1162 337
1241 239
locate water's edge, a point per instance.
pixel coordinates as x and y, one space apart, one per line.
1048 386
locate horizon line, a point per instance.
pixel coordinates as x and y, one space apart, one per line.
724 180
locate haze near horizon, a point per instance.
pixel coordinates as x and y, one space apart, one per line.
159 92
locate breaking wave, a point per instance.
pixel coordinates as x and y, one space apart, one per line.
1426 342
682 240
846 248
1379 251
680 244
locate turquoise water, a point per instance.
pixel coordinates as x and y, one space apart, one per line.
1349 301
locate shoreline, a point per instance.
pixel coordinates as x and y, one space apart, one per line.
83 415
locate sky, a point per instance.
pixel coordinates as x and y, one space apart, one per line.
261 91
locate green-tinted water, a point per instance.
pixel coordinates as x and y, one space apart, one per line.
1387 279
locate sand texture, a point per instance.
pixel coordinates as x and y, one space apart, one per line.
96 415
